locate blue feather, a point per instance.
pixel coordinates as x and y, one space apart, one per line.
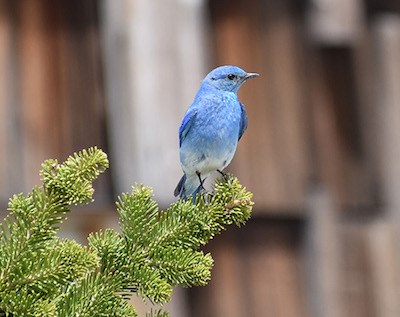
243 121
187 123
211 128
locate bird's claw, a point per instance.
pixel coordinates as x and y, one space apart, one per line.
224 175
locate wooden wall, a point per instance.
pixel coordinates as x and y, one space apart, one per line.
321 153
321 149
51 88
155 55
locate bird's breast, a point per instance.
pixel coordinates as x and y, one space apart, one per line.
220 116
212 141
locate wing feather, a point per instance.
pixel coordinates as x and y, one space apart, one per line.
243 121
186 124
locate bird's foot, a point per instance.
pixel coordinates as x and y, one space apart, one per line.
224 175
200 193
201 187
206 196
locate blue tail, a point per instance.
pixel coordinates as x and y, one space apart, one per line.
187 186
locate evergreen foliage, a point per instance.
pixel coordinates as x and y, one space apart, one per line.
42 275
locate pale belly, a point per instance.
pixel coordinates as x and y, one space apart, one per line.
211 142
206 162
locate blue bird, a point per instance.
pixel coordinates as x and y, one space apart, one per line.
211 128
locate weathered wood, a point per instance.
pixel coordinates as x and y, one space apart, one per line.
225 294
322 255
368 112
5 50
335 22
387 48
385 236
151 79
37 87
155 54
81 85
385 263
256 273
59 85
271 158
274 284
340 157
356 291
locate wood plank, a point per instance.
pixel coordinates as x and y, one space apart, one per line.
335 22
274 276
4 78
385 263
356 289
81 85
38 86
256 273
387 47
271 158
224 295
149 87
364 76
12 151
340 155
117 54
59 85
322 255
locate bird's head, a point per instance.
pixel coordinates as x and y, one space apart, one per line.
228 78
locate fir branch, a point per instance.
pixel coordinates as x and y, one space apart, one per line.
157 313
72 180
130 262
34 264
164 244
184 267
19 302
138 215
148 282
110 247
94 295
41 275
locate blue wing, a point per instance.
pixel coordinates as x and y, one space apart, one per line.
243 121
186 124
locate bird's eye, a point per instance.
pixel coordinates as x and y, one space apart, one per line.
231 76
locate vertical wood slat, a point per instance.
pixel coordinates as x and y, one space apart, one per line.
37 84
256 273
55 88
339 153
364 69
81 97
322 254
356 275
385 263
152 76
227 275
274 284
271 158
385 236
5 50
224 295
81 73
335 22
117 63
387 49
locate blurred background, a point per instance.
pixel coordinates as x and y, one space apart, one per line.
321 154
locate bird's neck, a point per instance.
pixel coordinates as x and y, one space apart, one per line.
207 88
